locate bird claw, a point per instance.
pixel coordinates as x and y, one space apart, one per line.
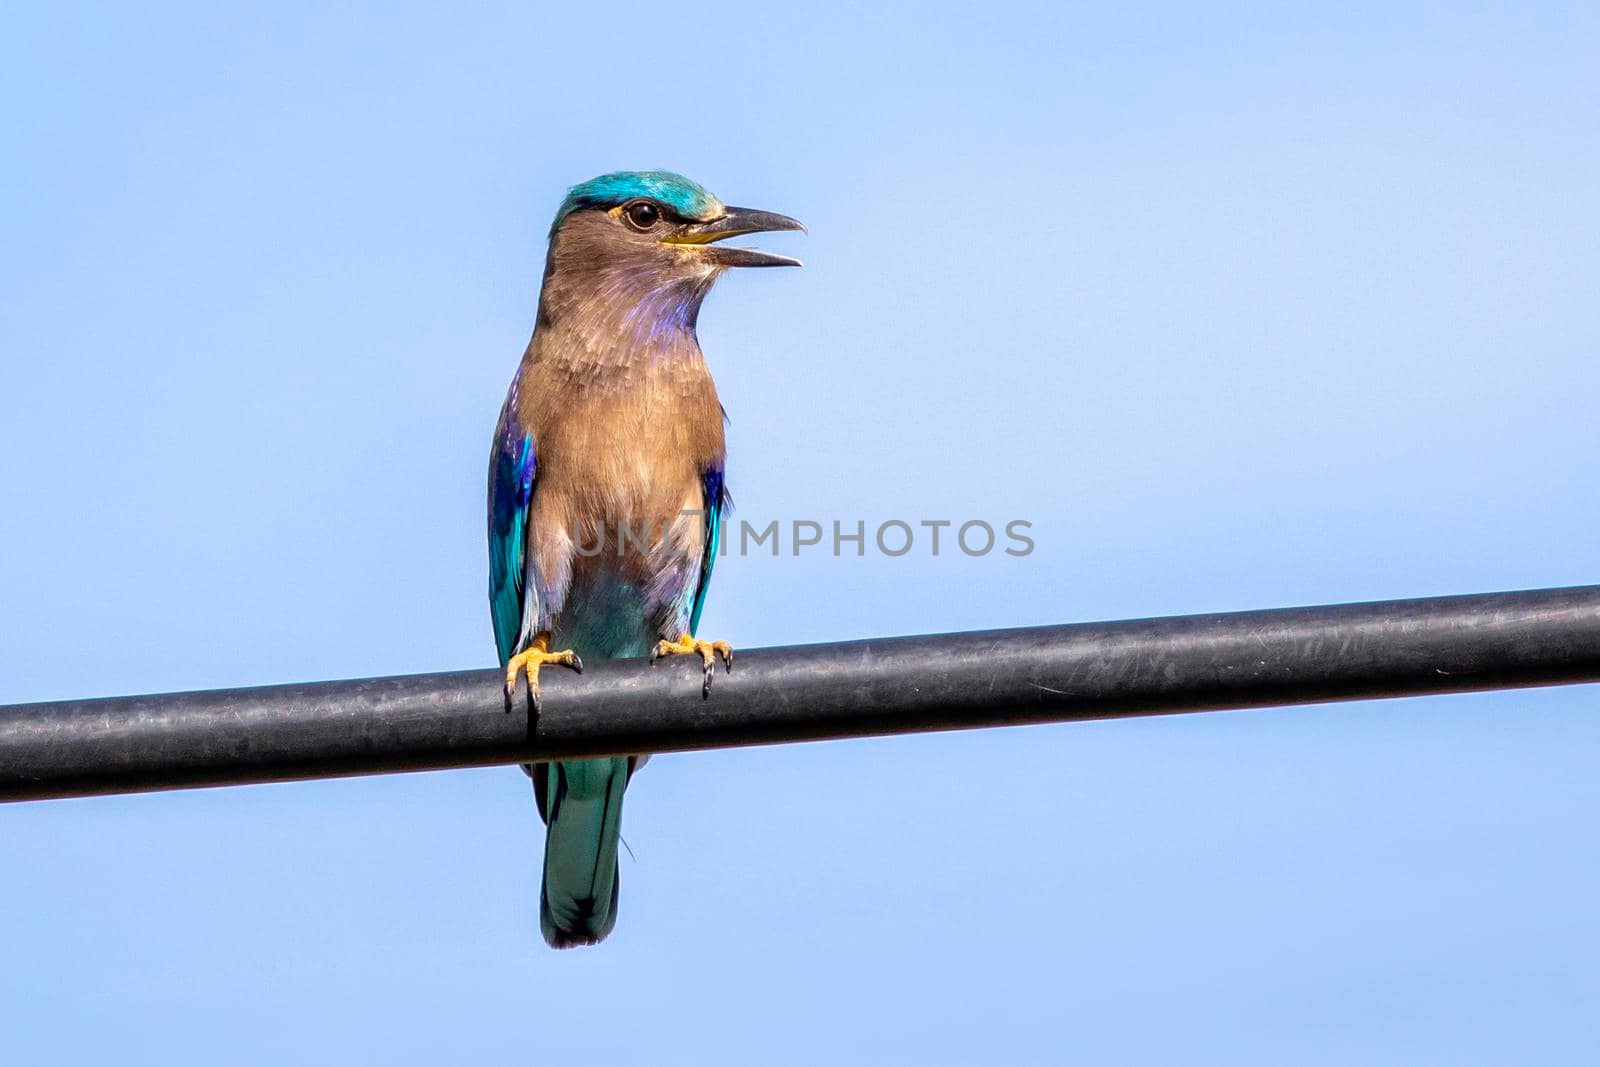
527 663
708 651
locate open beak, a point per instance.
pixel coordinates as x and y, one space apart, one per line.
736 222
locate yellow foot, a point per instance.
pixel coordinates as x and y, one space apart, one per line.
528 662
708 652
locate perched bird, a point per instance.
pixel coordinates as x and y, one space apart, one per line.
606 485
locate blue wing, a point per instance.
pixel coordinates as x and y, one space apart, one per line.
511 475
716 499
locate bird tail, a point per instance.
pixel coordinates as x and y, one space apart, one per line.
581 801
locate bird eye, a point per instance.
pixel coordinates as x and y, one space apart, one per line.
642 214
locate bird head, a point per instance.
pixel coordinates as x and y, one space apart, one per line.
661 219
633 255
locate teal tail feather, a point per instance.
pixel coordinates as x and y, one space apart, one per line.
581 801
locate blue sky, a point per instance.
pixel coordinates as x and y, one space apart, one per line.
1241 307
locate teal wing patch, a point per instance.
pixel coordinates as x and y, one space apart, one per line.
510 491
716 499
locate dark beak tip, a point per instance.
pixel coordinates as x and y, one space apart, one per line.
753 220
